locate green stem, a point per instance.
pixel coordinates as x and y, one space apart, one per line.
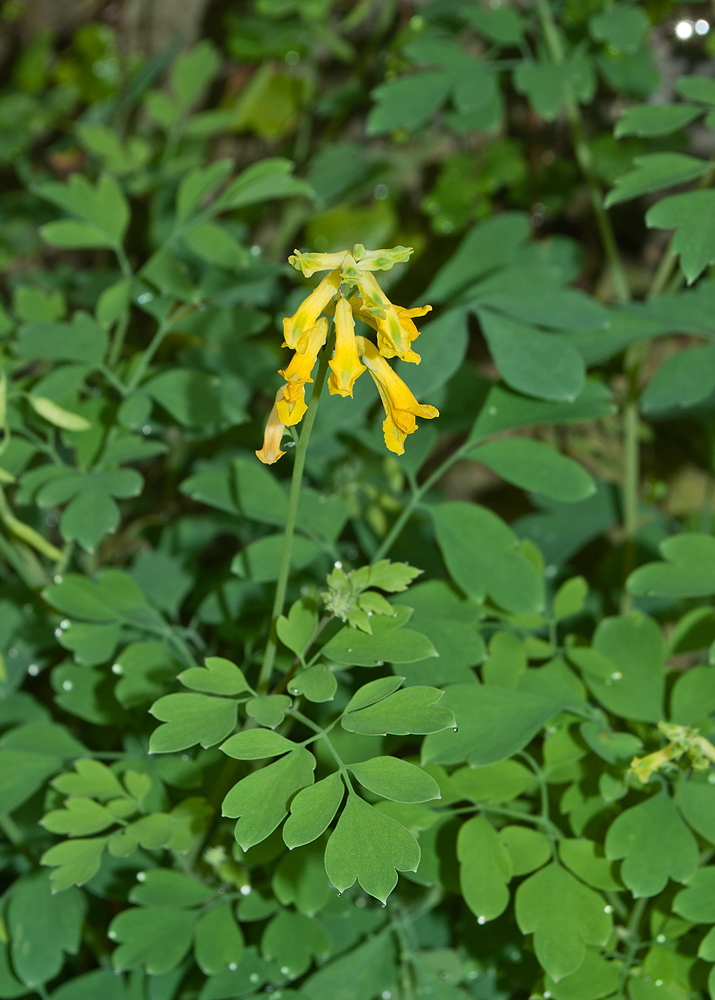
146 358
120 332
585 161
269 656
634 940
415 500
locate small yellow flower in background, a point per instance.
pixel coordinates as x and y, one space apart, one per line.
349 291
271 450
683 740
401 407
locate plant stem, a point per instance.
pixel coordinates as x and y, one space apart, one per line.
164 328
269 656
634 940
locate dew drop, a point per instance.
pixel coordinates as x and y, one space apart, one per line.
232 966
472 974
661 939
184 756
339 894
141 876
221 890
254 977
33 670
58 633
608 909
492 411
116 668
386 995
285 971
481 920
658 982
66 685
546 995
616 675
350 651
455 729
57 578
245 890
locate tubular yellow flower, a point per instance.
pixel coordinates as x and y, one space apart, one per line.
271 450
292 407
345 365
395 329
401 407
305 317
309 263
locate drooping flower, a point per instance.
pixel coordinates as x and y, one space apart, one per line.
310 308
271 450
348 291
345 365
401 407
292 407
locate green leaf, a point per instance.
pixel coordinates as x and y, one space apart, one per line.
694 239
546 84
532 465
91 778
220 676
527 849
696 903
484 869
100 983
144 670
260 801
317 684
109 596
164 887
653 173
259 560
614 748
371 847
622 27
483 557
655 844
265 180
312 811
636 689
655 119
505 410
502 25
531 361
493 723
570 598
500 782
297 629
407 102
189 719
79 818
81 340
693 696
157 937
595 978
530 295
294 940
696 803
75 861
42 928
22 773
386 644
564 916
57 415
198 184
487 246
586 859
688 572
410 711
396 779
268 710
72 235
104 206
213 243
254 744
366 970
683 380
191 73
218 941
191 397
373 692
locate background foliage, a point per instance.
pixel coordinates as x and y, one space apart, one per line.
551 165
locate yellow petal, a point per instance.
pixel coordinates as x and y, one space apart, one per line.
345 365
309 263
310 308
401 407
291 408
303 361
271 450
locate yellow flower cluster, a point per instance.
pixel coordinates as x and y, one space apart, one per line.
350 290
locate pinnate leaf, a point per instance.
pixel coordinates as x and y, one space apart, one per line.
396 779
312 811
412 710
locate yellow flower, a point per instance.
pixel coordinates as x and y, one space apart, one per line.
401 407
395 329
310 308
271 450
309 263
345 365
292 407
